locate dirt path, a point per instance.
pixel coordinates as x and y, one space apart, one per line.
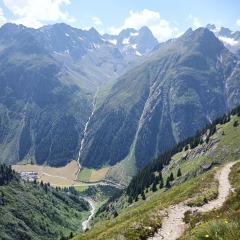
173 225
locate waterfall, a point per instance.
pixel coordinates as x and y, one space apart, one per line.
85 133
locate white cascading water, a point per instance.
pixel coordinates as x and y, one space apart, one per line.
86 223
84 135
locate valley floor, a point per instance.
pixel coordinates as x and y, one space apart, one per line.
66 176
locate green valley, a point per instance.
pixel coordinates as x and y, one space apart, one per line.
119 219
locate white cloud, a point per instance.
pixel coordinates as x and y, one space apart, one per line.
229 41
2 17
97 21
195 22
238 22
33 13
161 28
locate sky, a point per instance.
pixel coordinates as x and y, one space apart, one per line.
166 18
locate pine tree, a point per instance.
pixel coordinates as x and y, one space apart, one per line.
115 214
41 184
160 176
235 124
168 185
130 200
2 202
179 173
143 196
161 184
157 179
171 177
154 187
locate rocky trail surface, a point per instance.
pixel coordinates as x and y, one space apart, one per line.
173 225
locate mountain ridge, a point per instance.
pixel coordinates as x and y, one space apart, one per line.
190 62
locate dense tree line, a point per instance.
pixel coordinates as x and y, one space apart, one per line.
147 177
6 174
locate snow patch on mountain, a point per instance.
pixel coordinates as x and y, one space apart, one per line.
126 41
113 41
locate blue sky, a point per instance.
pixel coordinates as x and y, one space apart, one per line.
166 18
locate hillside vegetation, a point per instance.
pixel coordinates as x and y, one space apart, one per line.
223 223
198 158
37 211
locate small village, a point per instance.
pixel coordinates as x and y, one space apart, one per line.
29 176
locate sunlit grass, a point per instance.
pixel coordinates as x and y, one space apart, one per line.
222 224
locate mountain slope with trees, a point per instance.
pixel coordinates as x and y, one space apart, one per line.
48 79
36 210
185 84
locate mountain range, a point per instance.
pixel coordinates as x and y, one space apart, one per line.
185 84
148 96
48 78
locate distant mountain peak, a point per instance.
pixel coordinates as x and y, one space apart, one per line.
127 31
193 35
202 32
211 26
229 38
145 29
133 42
11 27
92 30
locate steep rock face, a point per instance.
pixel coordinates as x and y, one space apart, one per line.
132 42
186 84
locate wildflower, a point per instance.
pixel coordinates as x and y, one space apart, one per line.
226 221
206 236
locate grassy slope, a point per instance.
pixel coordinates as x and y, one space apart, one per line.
142 218
85 175
29 212
221 224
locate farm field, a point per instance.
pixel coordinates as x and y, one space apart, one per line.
93 175
64 176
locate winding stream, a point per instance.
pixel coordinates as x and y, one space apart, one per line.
86 223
